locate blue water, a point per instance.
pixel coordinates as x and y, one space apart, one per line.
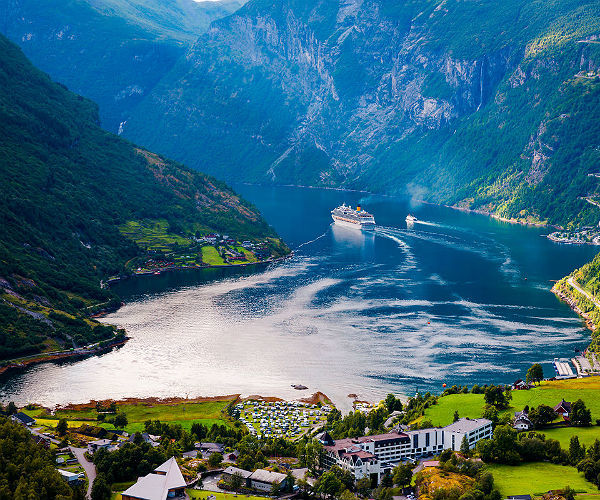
458 298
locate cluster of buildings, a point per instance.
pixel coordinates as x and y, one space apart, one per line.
280 419
374 456
122 439
521 421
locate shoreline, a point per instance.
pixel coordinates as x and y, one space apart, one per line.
81 352
152 401
572 303
161 270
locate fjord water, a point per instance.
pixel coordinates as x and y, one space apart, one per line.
458 298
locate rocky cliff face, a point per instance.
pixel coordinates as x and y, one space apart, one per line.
455 101
353 75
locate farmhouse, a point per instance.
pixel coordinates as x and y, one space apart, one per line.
229 472
373 456
94 446
166 481
23 419
209 448
521 421
563 409
520 385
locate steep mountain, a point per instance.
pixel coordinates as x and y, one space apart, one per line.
487 105
111 51
79 204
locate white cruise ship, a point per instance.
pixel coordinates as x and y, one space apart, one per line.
357 219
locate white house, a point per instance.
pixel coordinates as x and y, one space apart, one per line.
521 421
94 446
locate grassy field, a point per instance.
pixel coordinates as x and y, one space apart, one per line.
202 494
211 256
152 235
587 435
219 496
588 496
549 393
207 413
538 478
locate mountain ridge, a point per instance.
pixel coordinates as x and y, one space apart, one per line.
416 97
69 190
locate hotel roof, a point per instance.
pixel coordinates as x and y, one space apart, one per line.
467 424
266 476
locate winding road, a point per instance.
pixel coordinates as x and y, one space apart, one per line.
571 281
89 467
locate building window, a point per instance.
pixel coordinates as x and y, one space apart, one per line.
416 441
427 439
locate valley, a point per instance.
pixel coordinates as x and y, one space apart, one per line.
182 314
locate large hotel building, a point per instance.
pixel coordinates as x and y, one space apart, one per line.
375 455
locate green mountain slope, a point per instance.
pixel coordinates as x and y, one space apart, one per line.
111 51
488 105
69 193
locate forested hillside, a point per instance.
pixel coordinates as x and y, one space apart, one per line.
67 189
111 51
27 470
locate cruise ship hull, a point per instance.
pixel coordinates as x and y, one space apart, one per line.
354 225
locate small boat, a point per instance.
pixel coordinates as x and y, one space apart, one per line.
156 273
410 218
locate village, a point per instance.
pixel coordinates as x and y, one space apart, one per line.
260 447
210 250
589 235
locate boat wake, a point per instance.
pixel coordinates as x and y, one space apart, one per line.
312 241
425 223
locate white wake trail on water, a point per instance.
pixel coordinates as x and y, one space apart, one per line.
313 240
411 261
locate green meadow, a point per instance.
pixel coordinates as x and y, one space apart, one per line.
538 478
185 414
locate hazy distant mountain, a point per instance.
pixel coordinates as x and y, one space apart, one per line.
492 105
111 51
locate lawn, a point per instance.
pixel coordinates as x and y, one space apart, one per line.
219 496
537 478
468 405
211 256
587 435
206 413
549 393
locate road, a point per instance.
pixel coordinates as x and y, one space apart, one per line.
90 468
36 432
571 281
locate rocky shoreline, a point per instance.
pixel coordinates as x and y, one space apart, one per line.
82 352
572 303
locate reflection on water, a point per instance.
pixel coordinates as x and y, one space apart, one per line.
400 308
